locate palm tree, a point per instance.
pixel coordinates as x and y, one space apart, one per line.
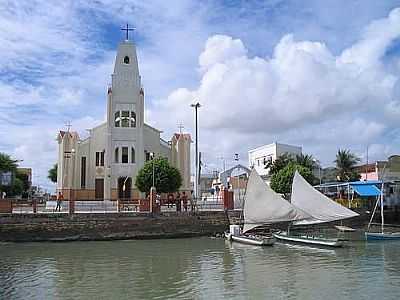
306 160
7 163
345 163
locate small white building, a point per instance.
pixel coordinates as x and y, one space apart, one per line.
259 157
105 164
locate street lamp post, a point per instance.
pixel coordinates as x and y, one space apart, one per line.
196 106
153 188
238 178
319 170
152 159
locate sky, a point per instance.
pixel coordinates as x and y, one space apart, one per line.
323 75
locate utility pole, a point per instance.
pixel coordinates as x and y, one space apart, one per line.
196 106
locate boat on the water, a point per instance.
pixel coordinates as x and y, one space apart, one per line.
262 207
309 239
319 208
383 235
258 240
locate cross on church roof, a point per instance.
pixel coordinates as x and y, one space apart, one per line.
68 125
180 126
127 29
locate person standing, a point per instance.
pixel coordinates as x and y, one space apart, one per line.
184 200
59 201
178 202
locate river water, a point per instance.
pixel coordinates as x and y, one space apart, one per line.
198 268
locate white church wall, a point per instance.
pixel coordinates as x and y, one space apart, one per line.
151 139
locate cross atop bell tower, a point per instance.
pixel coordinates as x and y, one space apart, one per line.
127 29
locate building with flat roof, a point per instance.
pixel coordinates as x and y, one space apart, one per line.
259 157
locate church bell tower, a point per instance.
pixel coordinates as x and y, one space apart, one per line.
125 120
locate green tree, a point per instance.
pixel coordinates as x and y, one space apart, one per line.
281 182
306 160
167 179
7 163
23 179
280 162
345 164
52 175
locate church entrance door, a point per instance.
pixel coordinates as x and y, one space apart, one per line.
99 189
124 192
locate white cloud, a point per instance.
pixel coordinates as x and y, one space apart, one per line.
302 90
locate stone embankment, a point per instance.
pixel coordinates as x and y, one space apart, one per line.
111 226
117 226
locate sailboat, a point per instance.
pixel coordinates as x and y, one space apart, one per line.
320 209
262 206
380 235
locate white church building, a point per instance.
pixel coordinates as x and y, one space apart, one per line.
104 165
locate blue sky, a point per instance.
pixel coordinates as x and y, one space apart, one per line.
321 74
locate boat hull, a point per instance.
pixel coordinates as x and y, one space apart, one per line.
309 240
375 236
256 240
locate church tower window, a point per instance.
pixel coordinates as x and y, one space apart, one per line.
126 60
133 159
124 159
116 155
117 119
125 118
133 119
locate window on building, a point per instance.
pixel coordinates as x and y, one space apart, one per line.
125 118
116 155
133 119
133 155
124 159
126 60
117 119
102 158
83 172
147 155
97 159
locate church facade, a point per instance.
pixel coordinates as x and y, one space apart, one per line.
104 165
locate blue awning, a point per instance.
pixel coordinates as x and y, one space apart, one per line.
366 189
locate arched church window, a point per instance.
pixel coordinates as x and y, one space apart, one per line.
126 60
133 159
116 155
117 119
125 118
124 158
133 119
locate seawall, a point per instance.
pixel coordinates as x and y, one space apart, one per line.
112 226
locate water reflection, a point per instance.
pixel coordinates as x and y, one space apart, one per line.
200 268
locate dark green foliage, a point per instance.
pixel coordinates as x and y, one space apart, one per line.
345 164
306 160
281 182
167 178
279 163
7 163
53 174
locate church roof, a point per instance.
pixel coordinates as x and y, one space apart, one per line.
151 127
177 136
63 133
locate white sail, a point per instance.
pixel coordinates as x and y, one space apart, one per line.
320 207
263 206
